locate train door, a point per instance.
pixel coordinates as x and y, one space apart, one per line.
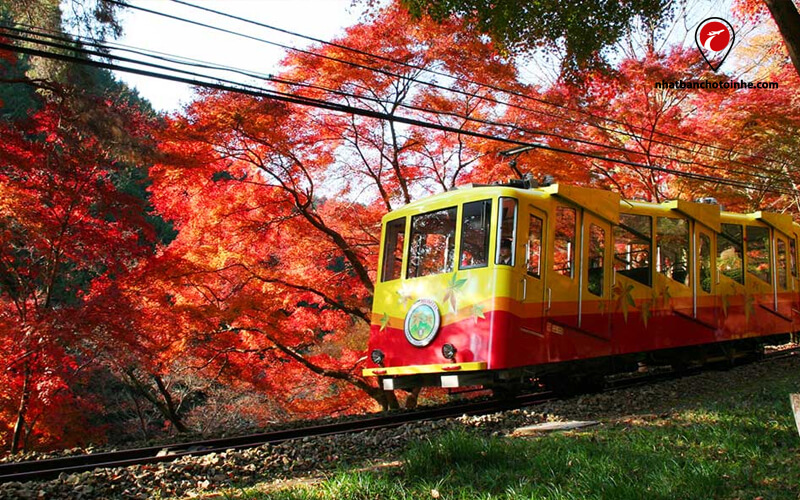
783 278
704 282
795 280
562 278
533 290
731 291
595 279
759 276
794 277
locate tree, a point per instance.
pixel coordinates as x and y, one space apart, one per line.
786 17
278 206
63 222
756 134
579 32
665 143
582 32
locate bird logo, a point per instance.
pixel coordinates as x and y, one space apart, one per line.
710 38
714 38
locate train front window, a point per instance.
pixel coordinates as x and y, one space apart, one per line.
475 234
758 252
673 249
632 243
564 243
506 232
433 242
793 256
393 249
730 249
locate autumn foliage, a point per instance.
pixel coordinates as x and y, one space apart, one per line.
230 249
64 222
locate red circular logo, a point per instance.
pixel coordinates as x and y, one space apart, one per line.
715 36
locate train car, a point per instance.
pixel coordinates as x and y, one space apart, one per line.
496 285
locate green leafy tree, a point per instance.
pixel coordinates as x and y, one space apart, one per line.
578 31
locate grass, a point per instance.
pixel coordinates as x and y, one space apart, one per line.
743 445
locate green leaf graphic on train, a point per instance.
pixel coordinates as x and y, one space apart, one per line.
726 299
384 321
666 297
477 312
624 298
421 323
749 307
404 296
453 286
647 310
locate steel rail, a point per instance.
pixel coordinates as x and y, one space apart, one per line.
53 467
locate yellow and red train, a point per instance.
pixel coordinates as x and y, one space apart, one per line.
493 285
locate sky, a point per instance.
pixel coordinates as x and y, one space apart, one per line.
322 19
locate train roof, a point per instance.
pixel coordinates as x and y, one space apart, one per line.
606 204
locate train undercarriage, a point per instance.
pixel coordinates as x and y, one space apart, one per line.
590 375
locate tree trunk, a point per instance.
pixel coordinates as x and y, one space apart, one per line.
787 18
172 413
387 399
165 407
413 397
19 426
139 413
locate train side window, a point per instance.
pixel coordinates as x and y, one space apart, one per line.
758 252
475 234
506 232
564 244
673 248
534 248
632 243
433 241
705 262
597 255
793 256
782 267
393 249
730 249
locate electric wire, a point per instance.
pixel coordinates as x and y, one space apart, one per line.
161 56
69 43
195 63
388 73
222 84
487 85
333 106
525 130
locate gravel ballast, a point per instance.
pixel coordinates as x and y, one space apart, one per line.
193 476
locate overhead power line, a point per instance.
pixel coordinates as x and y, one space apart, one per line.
728 150
103 51
200 80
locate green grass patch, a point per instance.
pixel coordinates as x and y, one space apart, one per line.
738 446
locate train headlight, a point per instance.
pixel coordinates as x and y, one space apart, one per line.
377 356
449 351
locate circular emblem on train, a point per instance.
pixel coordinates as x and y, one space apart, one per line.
422 322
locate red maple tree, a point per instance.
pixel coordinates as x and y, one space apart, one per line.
63 222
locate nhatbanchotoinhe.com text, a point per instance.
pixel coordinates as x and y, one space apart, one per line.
693 85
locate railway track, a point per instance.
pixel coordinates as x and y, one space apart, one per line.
51 468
